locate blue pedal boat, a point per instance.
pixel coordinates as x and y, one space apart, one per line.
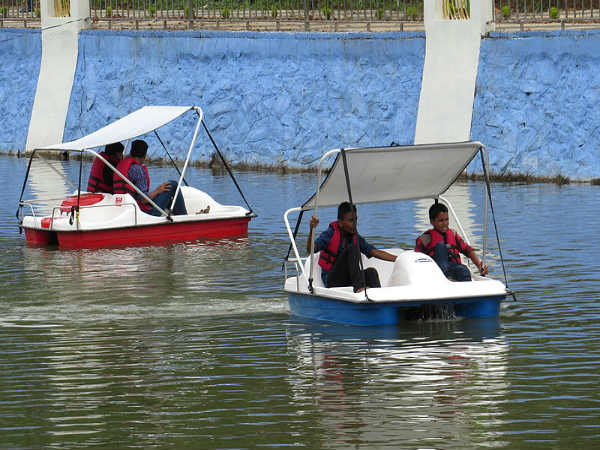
413 284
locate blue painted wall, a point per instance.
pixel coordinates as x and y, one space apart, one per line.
277 98
283 98
20 55
536 105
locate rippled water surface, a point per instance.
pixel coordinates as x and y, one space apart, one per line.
192 345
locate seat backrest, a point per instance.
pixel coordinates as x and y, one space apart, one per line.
317 280
384 268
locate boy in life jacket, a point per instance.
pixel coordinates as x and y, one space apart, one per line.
339 258
101 177
444 245
134 169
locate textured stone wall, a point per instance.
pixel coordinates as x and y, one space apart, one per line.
283 98
536 103
20 54
271 99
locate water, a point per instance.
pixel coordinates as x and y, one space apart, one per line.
192 346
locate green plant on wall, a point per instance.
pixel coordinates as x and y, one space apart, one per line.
505 12
326 11
4 11
554 12
412 12
152 11
225 13
274 11
380 14
108 11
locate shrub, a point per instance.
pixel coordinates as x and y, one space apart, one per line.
380 13
38 13
108 11
152 11
326 11
505 12
225 13
412 13
4 11
274 11
554 12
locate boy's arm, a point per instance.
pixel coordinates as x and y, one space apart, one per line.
483 269
382 254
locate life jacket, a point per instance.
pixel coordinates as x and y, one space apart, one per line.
101 177
327 256
432 237
121 187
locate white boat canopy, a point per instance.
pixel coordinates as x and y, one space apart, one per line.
138 123
381 174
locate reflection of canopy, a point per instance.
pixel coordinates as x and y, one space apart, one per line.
139 122
380 174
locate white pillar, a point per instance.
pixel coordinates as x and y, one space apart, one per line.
448 88
61 22
450 71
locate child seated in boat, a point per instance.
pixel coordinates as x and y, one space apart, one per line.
101 177
339 258
134 169
445 245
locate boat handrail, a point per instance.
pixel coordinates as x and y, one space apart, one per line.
132 204
292 240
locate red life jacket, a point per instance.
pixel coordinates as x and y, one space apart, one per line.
101 177
121 187
327 256
435 237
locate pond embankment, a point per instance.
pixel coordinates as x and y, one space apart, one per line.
278 100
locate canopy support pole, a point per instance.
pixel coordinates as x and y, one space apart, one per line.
489 194
226 167
23 191
169 155
185 164
360 263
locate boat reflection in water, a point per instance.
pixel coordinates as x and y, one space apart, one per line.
438 379
155 272
47 184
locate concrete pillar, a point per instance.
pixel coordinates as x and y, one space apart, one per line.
61 22
448 87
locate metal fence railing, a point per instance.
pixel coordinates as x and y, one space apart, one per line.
19 9
528 11
403 10
547 10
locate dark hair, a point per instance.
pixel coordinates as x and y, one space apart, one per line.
436 209
139 148
114 148
345 208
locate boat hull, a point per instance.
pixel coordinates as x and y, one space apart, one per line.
140 235
385 313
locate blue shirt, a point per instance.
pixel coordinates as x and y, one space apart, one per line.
137 175
322 242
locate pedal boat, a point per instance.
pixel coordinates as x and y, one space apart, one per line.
413 284
94 220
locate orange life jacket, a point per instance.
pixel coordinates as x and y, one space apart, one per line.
435 237
121 187
327 256
101 177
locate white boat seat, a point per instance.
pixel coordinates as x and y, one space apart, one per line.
384 269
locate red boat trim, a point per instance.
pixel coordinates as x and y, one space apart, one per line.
169 232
